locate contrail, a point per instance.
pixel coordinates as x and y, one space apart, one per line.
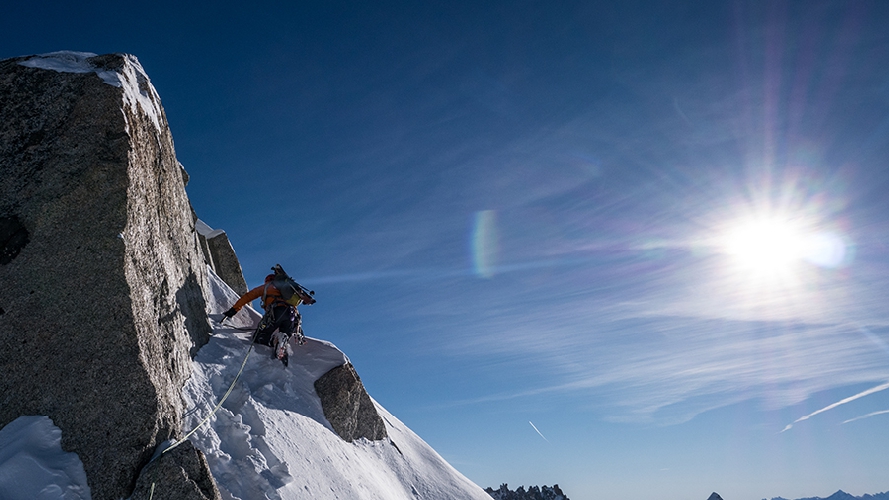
538 431
680 112
874 414
868 392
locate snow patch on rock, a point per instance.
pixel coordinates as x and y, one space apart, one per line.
34 466
67 61
206 231
131 77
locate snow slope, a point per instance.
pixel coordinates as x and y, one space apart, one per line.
270 440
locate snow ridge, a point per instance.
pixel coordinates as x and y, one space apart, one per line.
270 439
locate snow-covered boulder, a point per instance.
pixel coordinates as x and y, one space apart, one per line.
102 276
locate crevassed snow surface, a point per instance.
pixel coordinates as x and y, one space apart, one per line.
270 439
138 90
33 465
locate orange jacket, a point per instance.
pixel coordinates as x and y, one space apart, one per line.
272 295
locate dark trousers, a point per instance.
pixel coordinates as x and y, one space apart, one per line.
282 318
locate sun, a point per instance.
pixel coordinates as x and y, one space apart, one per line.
770 245
775 254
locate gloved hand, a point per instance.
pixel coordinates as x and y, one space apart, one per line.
231 312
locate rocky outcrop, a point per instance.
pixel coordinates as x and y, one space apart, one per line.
221 256
533 493
101 270
347 406
714 496
180 473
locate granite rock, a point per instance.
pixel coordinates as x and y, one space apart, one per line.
348 407
226 263
180 473
102 278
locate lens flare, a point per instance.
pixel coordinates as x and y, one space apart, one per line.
484 243
827 249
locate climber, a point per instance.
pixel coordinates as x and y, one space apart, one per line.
280 297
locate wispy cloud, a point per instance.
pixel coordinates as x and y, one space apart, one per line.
881 387
538 431
668 369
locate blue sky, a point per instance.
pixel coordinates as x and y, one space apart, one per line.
522 213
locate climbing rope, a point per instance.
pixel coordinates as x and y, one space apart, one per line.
229 391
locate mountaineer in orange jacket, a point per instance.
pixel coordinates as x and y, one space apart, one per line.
280 314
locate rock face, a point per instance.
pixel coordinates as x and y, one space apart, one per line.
180 473
13 237
226 263
714 496
100 266
347 406
220 255
533 493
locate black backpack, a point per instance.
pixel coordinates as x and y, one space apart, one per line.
292 292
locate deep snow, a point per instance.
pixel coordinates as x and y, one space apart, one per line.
270 438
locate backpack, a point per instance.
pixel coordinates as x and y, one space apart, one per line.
292 293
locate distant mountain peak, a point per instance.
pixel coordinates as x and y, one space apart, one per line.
714 496
842 495
533 493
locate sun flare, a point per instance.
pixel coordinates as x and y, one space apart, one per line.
766 246
777 248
